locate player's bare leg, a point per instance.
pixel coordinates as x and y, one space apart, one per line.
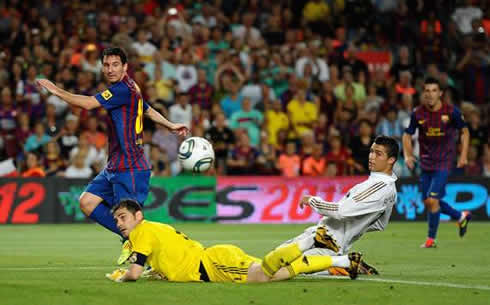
432 206
88 202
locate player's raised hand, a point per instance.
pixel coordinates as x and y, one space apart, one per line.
48 85
180 129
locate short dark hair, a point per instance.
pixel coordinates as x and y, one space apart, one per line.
432 81
116 51
131 205
390 144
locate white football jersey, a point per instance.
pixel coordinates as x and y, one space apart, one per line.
366 207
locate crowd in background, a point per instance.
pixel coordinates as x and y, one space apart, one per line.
275 85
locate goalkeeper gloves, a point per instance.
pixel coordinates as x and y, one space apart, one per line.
116 275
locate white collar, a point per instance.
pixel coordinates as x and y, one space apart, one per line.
383 176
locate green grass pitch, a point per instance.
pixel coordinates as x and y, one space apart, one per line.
65 264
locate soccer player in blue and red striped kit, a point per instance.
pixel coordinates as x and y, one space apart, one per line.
438 124
127 173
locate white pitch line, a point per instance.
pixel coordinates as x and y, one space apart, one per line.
406 282
328 277
57 268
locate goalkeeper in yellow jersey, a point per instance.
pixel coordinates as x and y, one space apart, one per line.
175 257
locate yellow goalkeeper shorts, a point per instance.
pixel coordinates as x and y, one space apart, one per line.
227 263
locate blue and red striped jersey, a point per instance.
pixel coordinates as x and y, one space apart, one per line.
126 107
438 135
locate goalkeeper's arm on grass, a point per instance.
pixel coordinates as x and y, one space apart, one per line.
134 271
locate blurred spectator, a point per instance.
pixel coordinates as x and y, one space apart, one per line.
68 136
302 114
360 147
242 159
143 47
289 162
186 73
94 137
405 85
51 124
465 14
87 151
350 59
29 90
246 31
60 106
181 111
159 161
91 62
474 166
33 167
266 161
222 139
338 156
348 80
169 142
53 161
248 119
315 165
8 124
37 139
232 102
78 167
478 132
318 65
403 63
390 126
474 66
275 120
22 132
202 92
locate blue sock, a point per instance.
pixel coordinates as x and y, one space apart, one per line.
449 210
433 223
102 215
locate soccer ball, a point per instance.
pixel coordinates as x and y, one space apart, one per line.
196 154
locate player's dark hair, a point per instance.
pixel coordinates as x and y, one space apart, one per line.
432 81
115 52
390 144
129 204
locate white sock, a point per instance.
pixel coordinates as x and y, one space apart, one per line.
305 243
341 261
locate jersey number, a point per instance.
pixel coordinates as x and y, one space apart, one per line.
139 118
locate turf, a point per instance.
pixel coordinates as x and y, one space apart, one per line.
65 264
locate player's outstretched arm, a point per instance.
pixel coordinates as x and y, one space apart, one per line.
155 116
121 275
84 101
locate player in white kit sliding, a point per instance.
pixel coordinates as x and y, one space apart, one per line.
365 208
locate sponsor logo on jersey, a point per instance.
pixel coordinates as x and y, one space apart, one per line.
421 122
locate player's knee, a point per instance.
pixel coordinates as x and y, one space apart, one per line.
432 204
87 204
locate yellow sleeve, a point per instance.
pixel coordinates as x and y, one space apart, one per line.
142 240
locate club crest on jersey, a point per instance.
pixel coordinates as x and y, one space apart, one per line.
444 118
106 94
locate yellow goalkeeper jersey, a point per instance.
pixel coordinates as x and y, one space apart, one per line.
168 251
